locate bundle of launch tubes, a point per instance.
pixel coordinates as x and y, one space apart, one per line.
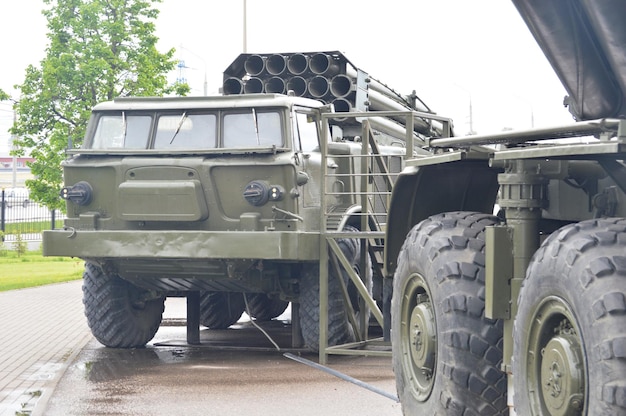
326 76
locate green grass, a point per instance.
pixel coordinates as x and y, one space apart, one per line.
30 227
32 269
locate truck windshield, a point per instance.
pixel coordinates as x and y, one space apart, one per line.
252 129
186 130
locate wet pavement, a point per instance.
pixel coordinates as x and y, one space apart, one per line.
76 376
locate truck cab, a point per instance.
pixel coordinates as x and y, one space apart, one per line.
218 196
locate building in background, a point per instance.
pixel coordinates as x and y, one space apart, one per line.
14 171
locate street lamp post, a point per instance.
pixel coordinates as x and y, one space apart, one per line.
13 149
245 26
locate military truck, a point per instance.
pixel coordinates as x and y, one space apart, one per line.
219 199
527 306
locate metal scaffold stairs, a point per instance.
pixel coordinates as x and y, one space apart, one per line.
366 185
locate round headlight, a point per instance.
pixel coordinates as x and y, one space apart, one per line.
80 193
257 193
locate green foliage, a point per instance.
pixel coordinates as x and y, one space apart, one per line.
98 50
19 245
3 95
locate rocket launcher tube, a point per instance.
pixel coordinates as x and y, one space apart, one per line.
275 85
341 85
276 64
323 64
253 86
318 86
254 65
341 105
233 86
297 85
386 91
298 64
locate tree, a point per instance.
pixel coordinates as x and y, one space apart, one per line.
3 95
98 50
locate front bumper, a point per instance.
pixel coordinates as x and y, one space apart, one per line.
171 244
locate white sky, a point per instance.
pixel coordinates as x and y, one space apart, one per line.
446 50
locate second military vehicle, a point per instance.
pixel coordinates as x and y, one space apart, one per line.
528 306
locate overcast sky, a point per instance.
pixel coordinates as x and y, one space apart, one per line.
448 51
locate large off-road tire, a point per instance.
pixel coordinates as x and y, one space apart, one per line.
219 310
339 329
264 308
570 329
446 354
117 311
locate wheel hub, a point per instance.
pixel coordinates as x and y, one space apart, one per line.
423 337
418 338
562 378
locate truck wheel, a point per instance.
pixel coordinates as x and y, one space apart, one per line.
446 354
117 311
339 329
570 332
219 310
264 308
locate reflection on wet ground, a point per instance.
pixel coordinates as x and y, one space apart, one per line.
217 378
109 364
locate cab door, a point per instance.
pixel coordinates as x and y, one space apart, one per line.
308 158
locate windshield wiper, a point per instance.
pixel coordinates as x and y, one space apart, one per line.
125 128
180 124
256 127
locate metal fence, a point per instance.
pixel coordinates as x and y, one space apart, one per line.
23 219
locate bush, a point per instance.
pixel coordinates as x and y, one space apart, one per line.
19 245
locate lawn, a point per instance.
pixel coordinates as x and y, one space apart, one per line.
32 269
30 227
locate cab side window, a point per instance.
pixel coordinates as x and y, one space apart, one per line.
306 133
121 131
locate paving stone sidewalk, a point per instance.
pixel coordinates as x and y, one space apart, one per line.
41 330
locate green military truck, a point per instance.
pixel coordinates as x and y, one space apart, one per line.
224 200
528 306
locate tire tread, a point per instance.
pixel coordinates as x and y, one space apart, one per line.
111 318
454 244
586 263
